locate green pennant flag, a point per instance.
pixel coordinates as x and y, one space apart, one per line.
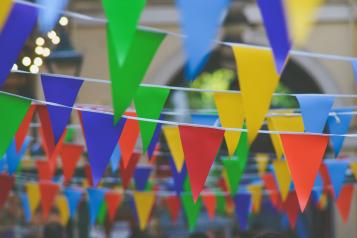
12 111
102 213
233 168
127 77
123 17
149 103
191 209
242 151
221 203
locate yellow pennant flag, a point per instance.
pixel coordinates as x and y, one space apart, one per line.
5 8
33 193
62 205
258 80
144 202
230 111
286 124
301 15
323 201
262 163
256 191
283 177
172 135
353 166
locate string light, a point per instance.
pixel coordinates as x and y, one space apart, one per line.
46 52
40 41
63 21
39 50
34 69
51 34
26 61
38 61
56 40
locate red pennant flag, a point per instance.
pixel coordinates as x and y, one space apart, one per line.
128 138
24 127
344 202
113 200
6 183
70 155
88 173
174 206
48 192
272 188
291 207
45 170
304 155
200 146
210 202
128 172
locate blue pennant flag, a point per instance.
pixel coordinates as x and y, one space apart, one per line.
155 139
95 199
354 66
317 190
243 203
178 177
13 157
141 177
337 171
115 159
73 197
204 119
50 13
26 207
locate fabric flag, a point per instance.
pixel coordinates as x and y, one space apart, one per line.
192 209
101 138
315 111
231 115
353 166
126 77
270 185
304 155
243 149
153 146
26 207
49 13
174 206
12 111
14 157
339 125
33 193
70 155
257 194
284 124
113 200
262 161
173 139
128 138
144 203
6 184
291 208
141 177
62 205
210 202
95 199
24 127
74 197
257 86
115 159
221 203
45 170
234 171
243 203
149 103
301 15
276 27
127 173
103 210
62 91
48 193
337 170
200 146
283 177
204 119
200 23
24 17
5 9
178 176
344 202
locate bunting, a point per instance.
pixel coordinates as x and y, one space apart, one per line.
173 139
33 193
192 209
73 197
70 155
336 170
95 199
5 9
6 184
344 202
126 173
48 193
283 177
178 176
113 200
62 205
23 129
210 202
243 203
144 202
14 157
234 171
26 206
141 177
174 206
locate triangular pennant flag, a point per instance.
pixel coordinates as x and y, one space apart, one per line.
62 205
12 40
33 194
243 203
6 184
262 161
70 155
270 185
101 138
89 177
113 200
210 202
49 13
276 28
173 139
301 15
12 111
123 17
153 146
48 193
291 207
126 77
73 196
231 115
234 171
243 149
318 188
128 138
149 103
23 129
200 23
141 177
144 202
127 173
304 155
192 209
178 176
174 206
204 119
62 91
283 177
14 157
336 170
26 207
200 146
221 203
257 86
353 166
115 159
315 111
257 195
339 124
5 9
95 199
45 170
344 202
102 213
